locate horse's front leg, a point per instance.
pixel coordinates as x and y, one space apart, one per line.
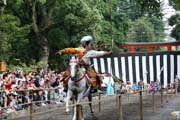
90 104
69 95
79 99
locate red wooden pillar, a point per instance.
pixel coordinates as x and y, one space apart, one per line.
132 49
169 48
150 49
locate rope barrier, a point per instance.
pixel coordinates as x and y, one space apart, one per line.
31 89
57 88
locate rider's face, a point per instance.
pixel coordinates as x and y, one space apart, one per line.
89 46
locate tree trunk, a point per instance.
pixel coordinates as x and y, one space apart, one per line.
44 49
42 28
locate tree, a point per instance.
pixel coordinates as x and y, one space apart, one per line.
36 13
118 14
80 18
175 4
114 23
10 32
158 27
72 19
175 20
45 26
141 31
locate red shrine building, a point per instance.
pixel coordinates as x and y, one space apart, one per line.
132 46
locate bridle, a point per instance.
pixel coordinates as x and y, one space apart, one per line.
84 75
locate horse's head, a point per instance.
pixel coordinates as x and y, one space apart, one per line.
73 64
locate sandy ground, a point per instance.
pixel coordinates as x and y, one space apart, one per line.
130 107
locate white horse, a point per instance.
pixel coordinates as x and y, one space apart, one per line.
79 85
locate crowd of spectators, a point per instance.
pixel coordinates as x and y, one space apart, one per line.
128 87
18 89
41 88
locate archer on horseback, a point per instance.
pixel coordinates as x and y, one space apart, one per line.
84 54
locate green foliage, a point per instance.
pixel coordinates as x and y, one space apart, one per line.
141 31
175 4
118 14
79 18
158 27
175 21
10 33
150 7
34 66
176 32
115 23
63 22
42 1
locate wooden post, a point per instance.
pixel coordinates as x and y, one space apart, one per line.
116 97
29 104
79 114
49 91
49 98
120 108
167 95
153 102
99 98
141 105
176 87
31 110
161 97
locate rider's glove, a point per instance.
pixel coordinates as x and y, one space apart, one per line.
59 52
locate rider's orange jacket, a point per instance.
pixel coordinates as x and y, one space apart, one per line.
79 51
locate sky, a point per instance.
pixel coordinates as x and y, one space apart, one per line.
167 10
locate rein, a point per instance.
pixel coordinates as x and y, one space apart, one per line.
84 75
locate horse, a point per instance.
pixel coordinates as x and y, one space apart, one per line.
79 85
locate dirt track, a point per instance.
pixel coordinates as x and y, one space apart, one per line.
130 109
